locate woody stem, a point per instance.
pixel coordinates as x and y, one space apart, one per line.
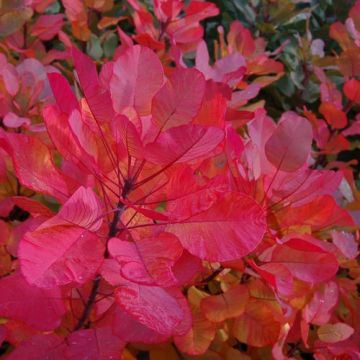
113 229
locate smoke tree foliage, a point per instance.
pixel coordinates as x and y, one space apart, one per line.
154 205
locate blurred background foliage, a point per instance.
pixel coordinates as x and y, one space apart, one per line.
301 29
296 33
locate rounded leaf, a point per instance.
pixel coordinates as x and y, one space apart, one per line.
333 333
290 144
230 229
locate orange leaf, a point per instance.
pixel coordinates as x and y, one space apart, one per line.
257 326
332 333
218 308
197 340
349 62
335 118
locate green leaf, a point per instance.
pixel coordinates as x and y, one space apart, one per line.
110 44
93 48
13 20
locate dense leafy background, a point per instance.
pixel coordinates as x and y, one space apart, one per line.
179 179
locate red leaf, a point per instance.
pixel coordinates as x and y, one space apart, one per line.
305 259
60 255
322 213
2 334
161 310
352 90
137 76
64 96
179 100
131 330
83 209
305 185
349 62
289 146
97 96
94 344
276 275
335 118
228 230
39 308
47 26
183 201
183 144
127 137
40 347
149 260
74 139
213 108
34 166
186 268
35 208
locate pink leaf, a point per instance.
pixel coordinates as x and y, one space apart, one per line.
34 166
67 140
240 98
186 268
346 243
354 128
47 26
304 185
276 275
94 344
63 94
131 265
131 330
97 97
228 230
83 209
183 201
179 100
183 144
137 76
161 310
305 259
11 120
149 260
39 308
160 254
127 137
40 347
60 255
289 146
319 310
260 130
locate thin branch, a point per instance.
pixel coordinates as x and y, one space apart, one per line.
113 229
